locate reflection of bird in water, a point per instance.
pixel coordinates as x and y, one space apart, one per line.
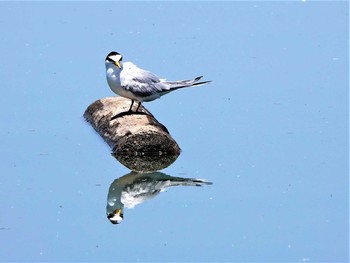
134 188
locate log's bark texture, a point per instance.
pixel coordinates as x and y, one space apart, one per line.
132 136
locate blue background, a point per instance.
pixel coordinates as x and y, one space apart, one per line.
270 132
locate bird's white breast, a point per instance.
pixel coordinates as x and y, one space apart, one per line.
114 79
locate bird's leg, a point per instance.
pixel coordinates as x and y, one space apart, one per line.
132 103
121 114
138 106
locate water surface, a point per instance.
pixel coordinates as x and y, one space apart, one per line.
270 132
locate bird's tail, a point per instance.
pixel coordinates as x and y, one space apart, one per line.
173 85
174 181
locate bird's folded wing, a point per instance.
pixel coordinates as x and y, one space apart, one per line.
141 82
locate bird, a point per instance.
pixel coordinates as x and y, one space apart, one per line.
135 188
129 81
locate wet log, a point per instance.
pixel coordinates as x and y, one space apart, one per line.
133 136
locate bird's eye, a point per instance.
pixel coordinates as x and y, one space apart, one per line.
109 59
109 216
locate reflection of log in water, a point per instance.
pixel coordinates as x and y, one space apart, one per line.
134 188
131 134
144 163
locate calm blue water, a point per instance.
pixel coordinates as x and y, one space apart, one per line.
270 132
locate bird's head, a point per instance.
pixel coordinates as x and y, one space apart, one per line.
116 217
114 58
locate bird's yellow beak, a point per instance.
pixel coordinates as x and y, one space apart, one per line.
117 63
118 212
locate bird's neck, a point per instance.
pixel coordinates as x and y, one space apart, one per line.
113 68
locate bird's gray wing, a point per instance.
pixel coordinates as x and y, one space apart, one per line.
141 82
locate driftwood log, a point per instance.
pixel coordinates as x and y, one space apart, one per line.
138 140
